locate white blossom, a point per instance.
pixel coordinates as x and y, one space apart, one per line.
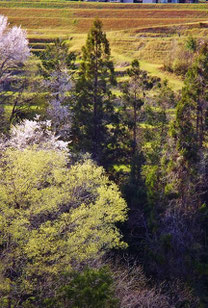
14 48
35 133
60 117
59 84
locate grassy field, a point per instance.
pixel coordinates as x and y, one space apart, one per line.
138 31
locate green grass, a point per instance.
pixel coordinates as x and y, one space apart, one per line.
155 70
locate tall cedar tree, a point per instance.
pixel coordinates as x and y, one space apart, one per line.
134 96
133 100
134 93
94 111
190 128
186 174
192 110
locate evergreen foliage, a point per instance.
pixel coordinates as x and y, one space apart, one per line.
191 114
94 109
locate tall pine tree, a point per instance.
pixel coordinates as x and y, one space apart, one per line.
192 110
94 111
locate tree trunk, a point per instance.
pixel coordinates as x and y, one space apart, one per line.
201 128
95 112
135 128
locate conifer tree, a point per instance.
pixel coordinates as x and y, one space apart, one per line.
94 110
185 164
189 132
134 95
191 114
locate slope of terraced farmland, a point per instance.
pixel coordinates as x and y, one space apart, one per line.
44 18
134 30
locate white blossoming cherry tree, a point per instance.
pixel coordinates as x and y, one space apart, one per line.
14 51
14 48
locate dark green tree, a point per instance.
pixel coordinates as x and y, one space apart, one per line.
192 110
134 95
155 137
94 109
57 57
184 175
188 162
92 288
191 44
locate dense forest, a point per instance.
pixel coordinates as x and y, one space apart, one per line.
103 184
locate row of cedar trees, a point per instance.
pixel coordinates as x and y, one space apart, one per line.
154 144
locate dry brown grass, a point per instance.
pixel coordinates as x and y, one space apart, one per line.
113 24
80 20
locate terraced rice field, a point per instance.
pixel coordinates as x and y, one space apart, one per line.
65 17
134 30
